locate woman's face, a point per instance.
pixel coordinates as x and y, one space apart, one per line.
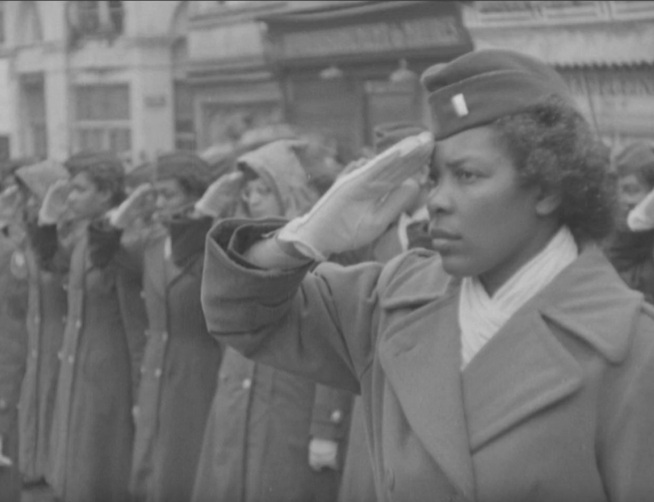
171 198
84 199
260 199
483 222
631 190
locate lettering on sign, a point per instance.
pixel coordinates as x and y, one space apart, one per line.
373 37
611 81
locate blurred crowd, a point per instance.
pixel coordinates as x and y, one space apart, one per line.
112 389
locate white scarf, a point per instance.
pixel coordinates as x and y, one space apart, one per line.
481 317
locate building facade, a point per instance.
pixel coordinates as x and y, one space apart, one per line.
143 77
604 50
91 75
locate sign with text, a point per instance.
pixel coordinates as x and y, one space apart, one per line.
387 28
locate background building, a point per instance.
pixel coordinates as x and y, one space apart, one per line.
604 49
5 118
143 77
91 74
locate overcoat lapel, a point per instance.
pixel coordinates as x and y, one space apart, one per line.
521 371
422 360
525 368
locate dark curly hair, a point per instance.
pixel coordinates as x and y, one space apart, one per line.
104 169
552 146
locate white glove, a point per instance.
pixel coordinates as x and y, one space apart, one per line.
641 217
131 208
54 203
221 195
323 454
4 460
362 204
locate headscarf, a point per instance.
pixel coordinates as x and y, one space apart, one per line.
278 165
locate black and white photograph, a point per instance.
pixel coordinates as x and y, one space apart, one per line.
326 251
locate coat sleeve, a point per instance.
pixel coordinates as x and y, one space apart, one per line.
627 442
319 324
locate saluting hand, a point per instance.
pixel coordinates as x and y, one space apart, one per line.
221 195
54 203
131 208
362 204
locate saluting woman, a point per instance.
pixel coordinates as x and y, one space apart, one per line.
513 364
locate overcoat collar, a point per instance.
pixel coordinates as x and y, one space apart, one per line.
522 370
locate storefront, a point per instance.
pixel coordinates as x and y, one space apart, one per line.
232 87
346 67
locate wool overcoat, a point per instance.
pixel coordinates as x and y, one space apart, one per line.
13 305
92 434
557 407
256 442
45 320
256 445
179 370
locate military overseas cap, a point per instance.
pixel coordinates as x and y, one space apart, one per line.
186 167
104 164
482 86
389 133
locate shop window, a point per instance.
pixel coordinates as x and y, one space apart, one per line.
329 107
29 24
95 19
102 118
390 102
184 118
35 135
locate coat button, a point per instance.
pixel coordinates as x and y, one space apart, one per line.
247 383
142 294
35 353
71 359
60 355
3 404
164 336
336 416
142 370
135 412
37 319
157 373
78 324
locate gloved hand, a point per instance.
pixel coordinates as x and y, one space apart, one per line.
131 208
4 460
54 203
362 204
641 217
323 454
221 195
